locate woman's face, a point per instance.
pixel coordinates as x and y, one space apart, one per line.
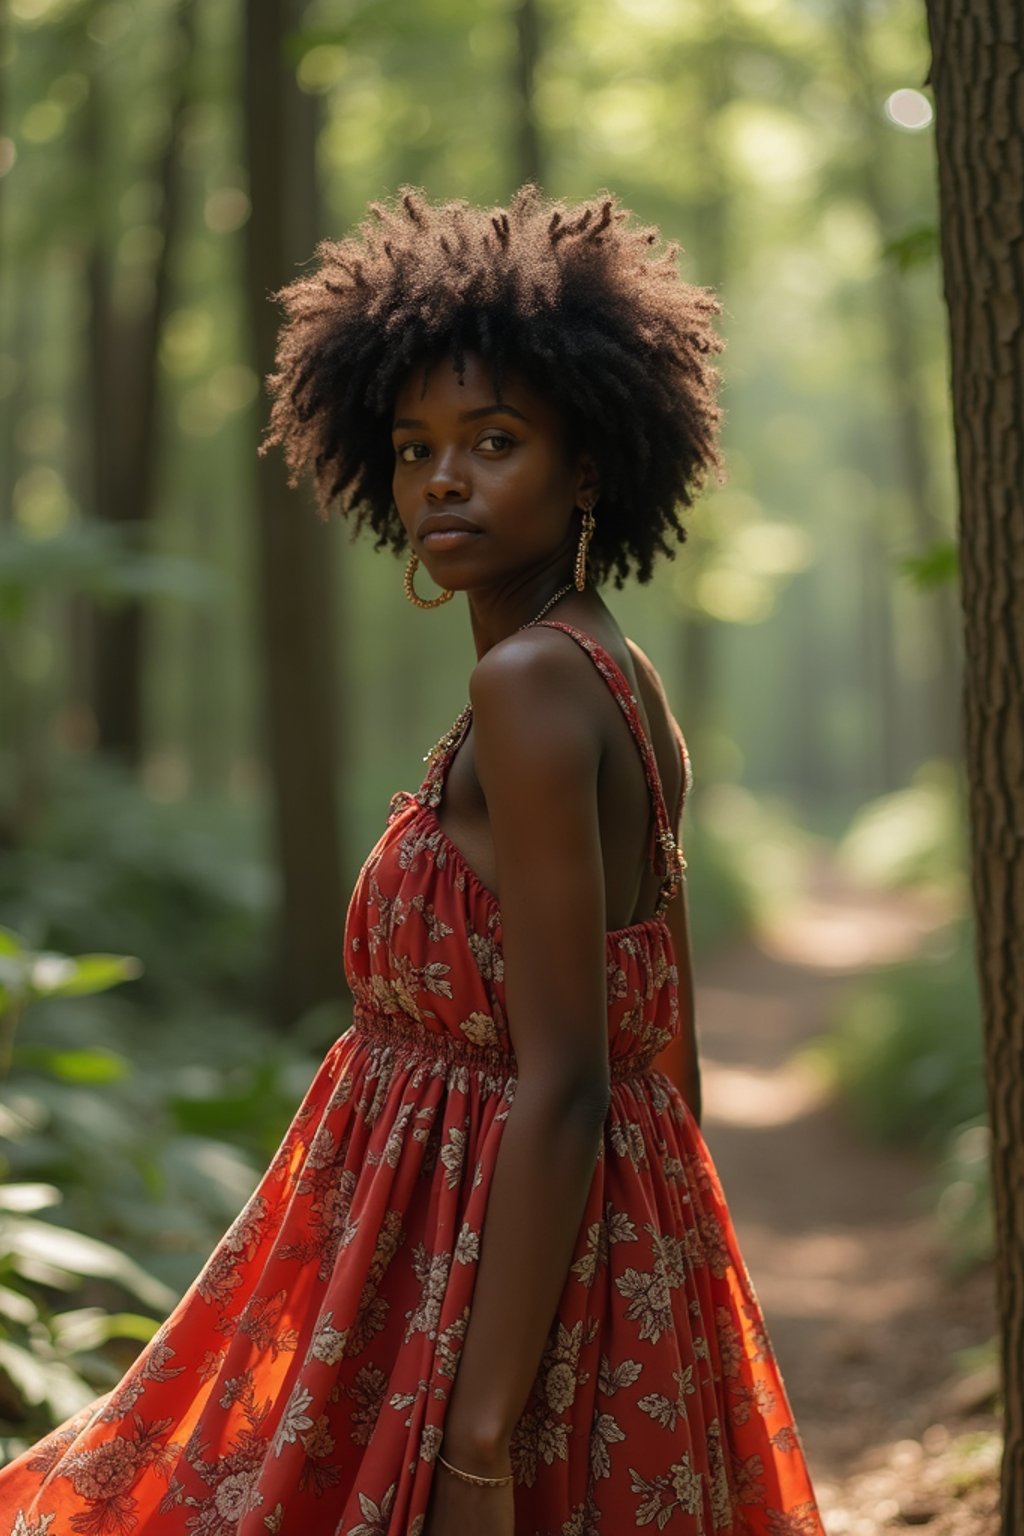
485 488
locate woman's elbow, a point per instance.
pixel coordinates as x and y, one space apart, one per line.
582 1095
593 1098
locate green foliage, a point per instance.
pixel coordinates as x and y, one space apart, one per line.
148 1135
96 559
936 567
110 866
747 857
51 1359
907 1051
964 1204
914 248
27 975
159 1157
720 908
916 837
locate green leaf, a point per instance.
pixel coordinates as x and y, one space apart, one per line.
17 1308
44 1381
28 1197
25 1372
914 248
935 567
298 44
87 1066
75 1254
76 976
97 559
90 1328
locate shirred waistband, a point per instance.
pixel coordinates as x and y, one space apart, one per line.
413 1043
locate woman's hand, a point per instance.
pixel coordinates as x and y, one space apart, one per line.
462 1509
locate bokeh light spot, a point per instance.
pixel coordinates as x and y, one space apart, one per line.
110 23
909 109
186 341
32 11
232 388
321 69
226 210
43 122
70 90
42 506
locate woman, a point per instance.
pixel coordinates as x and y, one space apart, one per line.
489 1284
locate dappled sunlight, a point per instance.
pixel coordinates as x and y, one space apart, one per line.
739 1096
834 1277
863 931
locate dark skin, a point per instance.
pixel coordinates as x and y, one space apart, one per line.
548 803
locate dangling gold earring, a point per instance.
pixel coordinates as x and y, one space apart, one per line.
586 534
413 595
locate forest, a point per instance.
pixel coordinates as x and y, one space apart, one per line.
208 695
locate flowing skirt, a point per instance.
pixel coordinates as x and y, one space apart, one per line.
300 1387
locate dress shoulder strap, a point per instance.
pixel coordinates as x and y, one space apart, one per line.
666 856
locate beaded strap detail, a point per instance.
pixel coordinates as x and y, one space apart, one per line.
670 861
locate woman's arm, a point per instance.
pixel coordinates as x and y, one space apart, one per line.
537 757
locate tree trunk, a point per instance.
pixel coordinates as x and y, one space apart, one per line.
978 78
902 356
699 638
124 374
295 607
528 158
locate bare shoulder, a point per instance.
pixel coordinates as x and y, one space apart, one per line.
534 668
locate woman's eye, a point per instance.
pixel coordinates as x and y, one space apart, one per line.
496 440
409 453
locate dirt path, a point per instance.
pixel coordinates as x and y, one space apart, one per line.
839 1237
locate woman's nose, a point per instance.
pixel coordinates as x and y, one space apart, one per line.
447 482
446 489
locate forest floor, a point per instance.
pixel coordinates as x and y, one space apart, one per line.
882 1348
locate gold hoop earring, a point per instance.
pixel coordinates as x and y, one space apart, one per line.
413 595
586 534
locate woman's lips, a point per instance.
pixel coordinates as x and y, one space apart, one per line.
448 538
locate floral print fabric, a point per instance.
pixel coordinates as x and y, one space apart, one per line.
300 1386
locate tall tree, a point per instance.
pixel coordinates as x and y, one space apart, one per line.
901 337
699 635
978 79
528 159
123 394
296 613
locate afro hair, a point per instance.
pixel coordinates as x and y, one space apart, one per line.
579 301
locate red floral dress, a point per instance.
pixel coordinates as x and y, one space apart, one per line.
300 1387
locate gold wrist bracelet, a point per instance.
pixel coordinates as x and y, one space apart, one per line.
471 1477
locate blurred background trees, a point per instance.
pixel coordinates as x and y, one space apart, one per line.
207 696
166 170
